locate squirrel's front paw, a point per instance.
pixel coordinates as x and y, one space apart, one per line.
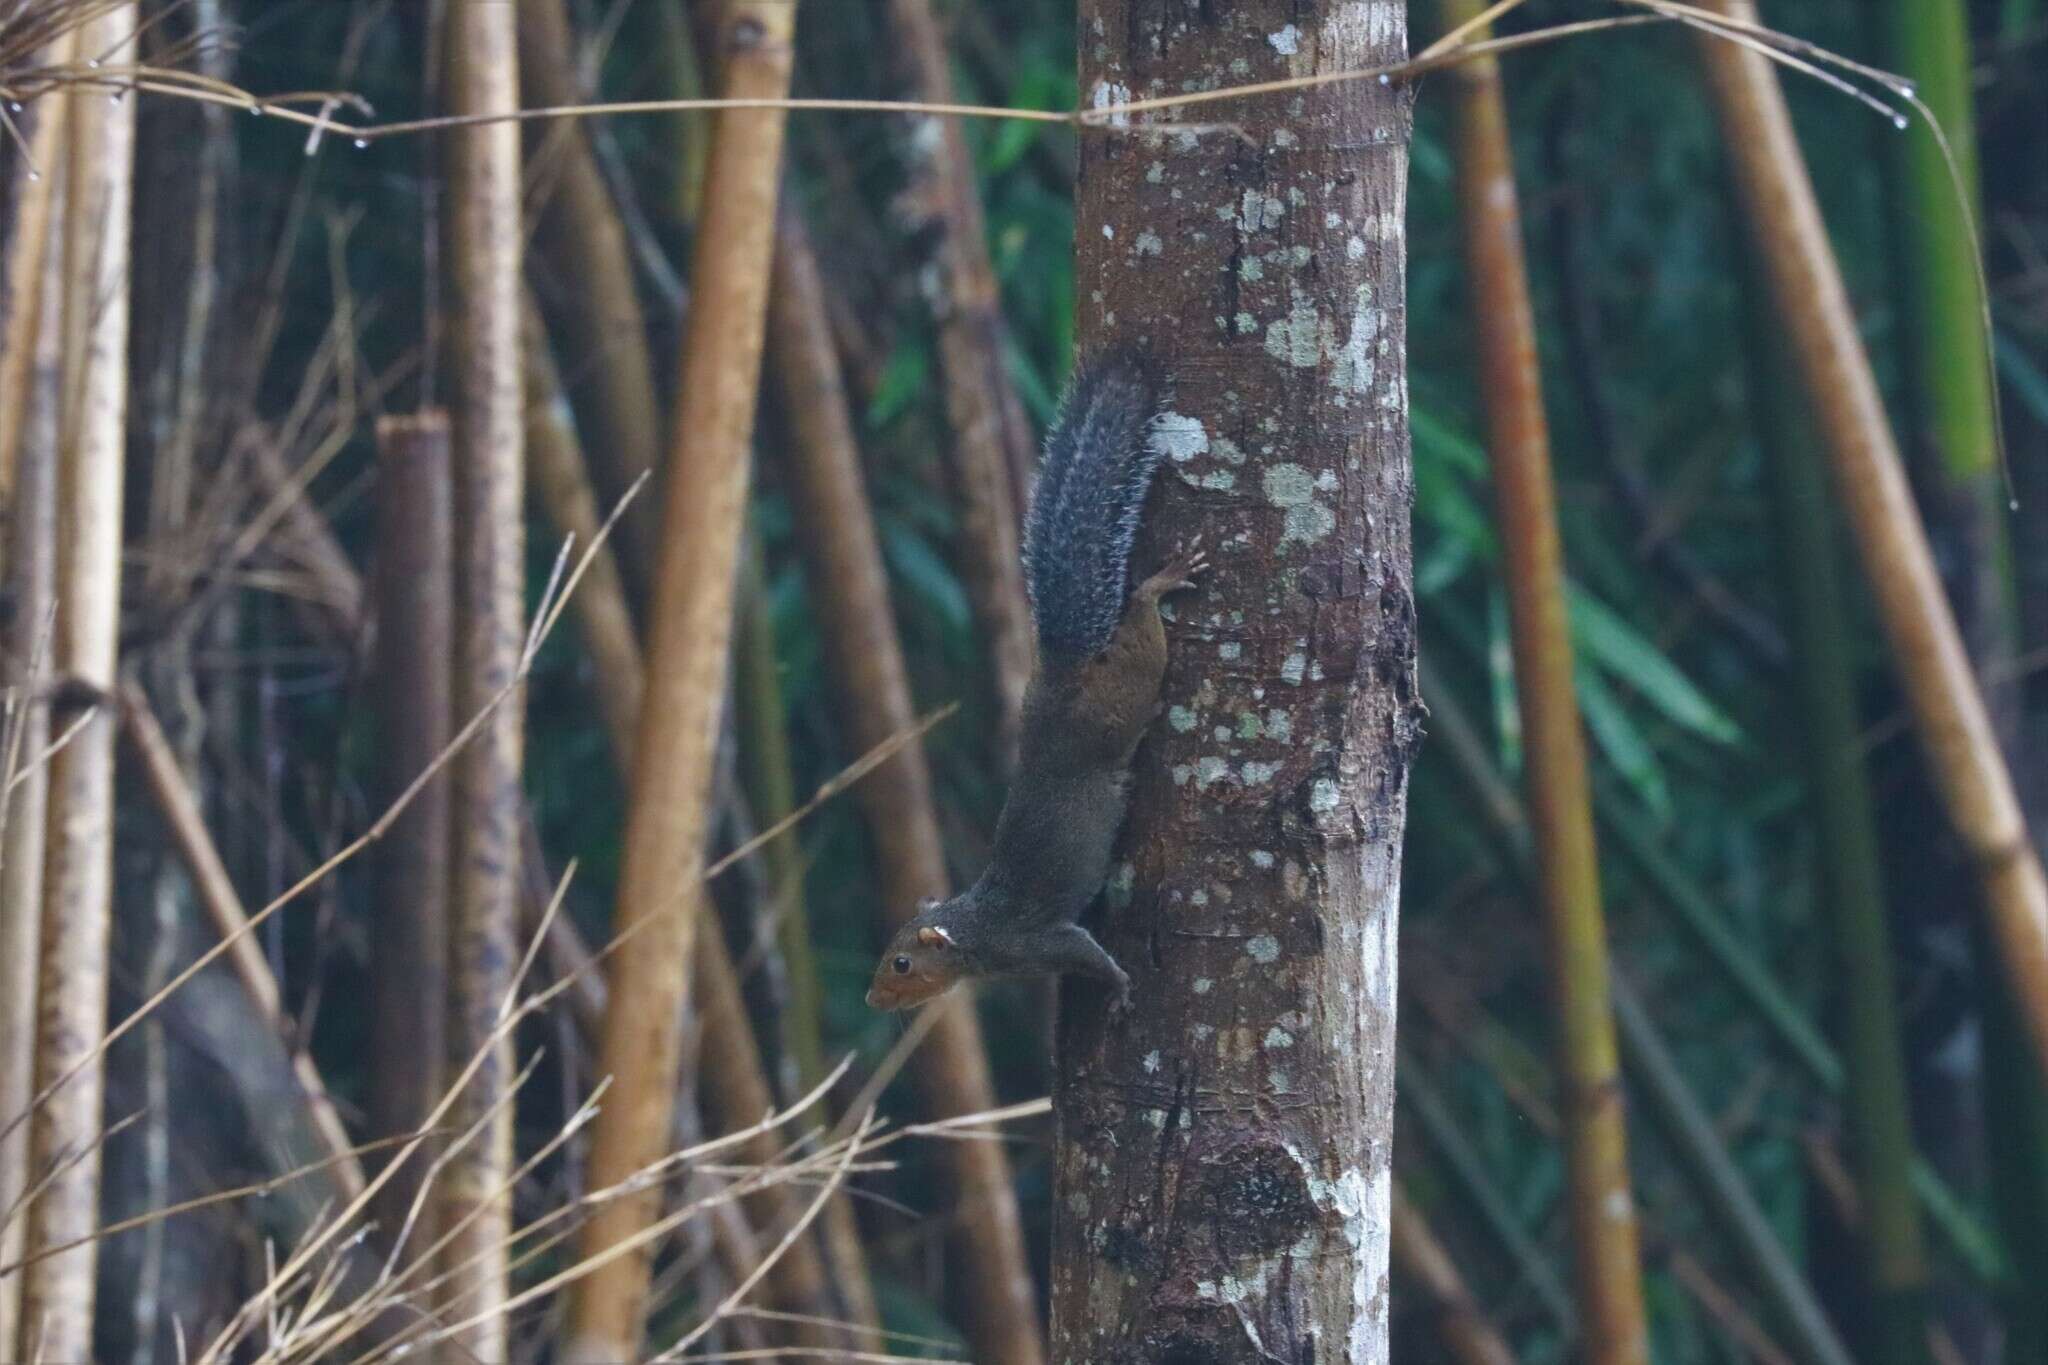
1180 572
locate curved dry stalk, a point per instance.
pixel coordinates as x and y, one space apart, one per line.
991 450
216 892
1559 794
580 232
687 661
1791 241
58 1292
556 468
1468 1338
843 563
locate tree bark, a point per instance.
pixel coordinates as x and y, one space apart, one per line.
1222 1160
996 1303
991 441
58 1291
31 569
1558 790
1812 305
661 897
474 1201
414 586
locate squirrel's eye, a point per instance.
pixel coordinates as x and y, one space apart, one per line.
902 966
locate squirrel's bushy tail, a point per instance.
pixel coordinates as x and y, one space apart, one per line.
1099 458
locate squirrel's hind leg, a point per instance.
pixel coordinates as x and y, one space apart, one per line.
1120 686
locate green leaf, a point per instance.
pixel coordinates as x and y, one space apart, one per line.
1602 637
905 375
1621 743
926 576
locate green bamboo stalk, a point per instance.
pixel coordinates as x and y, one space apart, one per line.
1950 399
1559 793
771 794
1851 882
1948 359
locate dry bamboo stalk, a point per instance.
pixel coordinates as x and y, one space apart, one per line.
556 464
31 577
848 582
489 499
58 1291
660 894
992 456
35 185
1559 794
1955 727
1468 1338
415 583
580 232
732 1082
223 905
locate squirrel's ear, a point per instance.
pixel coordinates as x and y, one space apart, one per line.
931 936
925 903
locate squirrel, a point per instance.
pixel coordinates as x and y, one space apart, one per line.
1094 690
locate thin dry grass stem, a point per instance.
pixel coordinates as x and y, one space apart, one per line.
789 1238
772 1315
1112 117
639 1181
295 1269
56 1171
545 618
254 1190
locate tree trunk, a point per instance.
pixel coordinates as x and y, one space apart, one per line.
58 1292
995 1303
31 567
1222 1174
661 897
474 1201
1559 794
415 583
